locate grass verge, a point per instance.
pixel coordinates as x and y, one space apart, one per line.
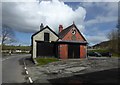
43 61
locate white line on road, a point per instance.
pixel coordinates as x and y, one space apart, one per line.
26 72
30 79
25 68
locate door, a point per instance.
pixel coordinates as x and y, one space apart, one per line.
73 51
46 49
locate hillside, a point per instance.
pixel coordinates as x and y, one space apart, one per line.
104 44
9 47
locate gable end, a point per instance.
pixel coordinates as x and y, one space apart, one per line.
66 30
44 29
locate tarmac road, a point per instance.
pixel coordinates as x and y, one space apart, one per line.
107 77
12 69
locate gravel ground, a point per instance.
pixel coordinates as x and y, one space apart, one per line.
70 67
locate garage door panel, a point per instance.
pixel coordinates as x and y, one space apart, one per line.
45 49
73 51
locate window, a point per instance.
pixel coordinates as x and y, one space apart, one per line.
46 36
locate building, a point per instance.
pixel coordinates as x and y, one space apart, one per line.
10 49
68 43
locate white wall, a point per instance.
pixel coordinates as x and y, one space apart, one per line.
40 37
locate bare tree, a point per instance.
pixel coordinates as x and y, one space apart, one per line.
8 35
113 37
118 26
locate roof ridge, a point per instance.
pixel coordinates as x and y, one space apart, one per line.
45 28
65 31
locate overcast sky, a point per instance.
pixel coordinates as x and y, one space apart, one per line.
93 19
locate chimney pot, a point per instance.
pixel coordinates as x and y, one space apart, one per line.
41 26
60 28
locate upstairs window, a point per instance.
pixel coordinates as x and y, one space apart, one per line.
46 36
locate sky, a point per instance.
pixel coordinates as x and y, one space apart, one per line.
94 19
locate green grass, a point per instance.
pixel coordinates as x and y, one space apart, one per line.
43 61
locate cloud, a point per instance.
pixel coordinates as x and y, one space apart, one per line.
96 39
0 12
26 17
99 0
108 14
101 19
100 14
95 35
62 0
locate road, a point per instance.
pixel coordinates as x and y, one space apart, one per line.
12 69
107 77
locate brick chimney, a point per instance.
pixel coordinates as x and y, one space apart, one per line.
60 28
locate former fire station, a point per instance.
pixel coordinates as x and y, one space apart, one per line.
68 43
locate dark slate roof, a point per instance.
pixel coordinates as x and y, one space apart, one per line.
66 30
